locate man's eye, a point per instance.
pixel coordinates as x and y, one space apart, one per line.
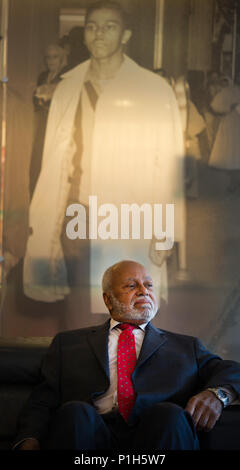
90 27
110 27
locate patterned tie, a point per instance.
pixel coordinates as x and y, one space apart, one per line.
126 362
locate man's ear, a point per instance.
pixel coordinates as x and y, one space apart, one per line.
126 36
107 300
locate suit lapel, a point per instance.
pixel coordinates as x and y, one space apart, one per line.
98 340
153 340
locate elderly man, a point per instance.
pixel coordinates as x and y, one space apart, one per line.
114 132
126 384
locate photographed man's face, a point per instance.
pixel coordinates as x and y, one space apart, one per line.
132 299
105 34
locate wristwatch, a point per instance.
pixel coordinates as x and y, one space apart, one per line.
221 395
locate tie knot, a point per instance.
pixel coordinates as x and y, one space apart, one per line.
127 326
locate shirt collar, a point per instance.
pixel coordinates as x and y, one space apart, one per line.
91 76
114 323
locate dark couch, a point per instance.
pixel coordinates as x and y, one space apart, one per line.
20 360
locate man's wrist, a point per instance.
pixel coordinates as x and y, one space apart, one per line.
226 395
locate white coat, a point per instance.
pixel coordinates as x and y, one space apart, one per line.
137 157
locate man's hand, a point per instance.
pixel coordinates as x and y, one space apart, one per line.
205 409
29 444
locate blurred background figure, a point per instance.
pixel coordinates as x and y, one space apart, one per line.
64 43
212 120
73 43
225 153
193 125
56 64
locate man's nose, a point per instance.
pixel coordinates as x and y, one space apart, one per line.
99 31
142 290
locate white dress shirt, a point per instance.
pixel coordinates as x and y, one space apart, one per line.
108 401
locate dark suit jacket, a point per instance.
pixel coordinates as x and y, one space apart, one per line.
171 367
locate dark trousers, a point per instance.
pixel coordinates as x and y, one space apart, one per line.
164 426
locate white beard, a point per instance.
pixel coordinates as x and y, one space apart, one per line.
147 313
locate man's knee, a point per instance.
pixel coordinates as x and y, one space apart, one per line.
166 426
164 413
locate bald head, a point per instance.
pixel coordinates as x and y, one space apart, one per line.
128 292
108 277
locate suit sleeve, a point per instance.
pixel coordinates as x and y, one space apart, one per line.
34 418
216 372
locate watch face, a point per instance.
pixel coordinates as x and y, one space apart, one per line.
223 396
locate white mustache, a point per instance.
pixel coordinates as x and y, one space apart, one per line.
143 297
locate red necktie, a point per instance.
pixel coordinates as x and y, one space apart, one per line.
126 362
